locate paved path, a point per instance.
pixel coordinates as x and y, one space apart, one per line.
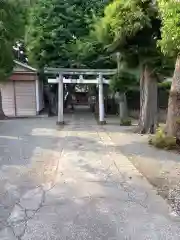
161 168
74 183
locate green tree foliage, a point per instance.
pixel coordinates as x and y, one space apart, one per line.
170 31
10 29
90 53
170 45
122 81
23 7
53 25
132 28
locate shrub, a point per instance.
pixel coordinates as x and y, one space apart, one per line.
126 122
161 140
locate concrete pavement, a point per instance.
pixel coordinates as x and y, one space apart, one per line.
74 183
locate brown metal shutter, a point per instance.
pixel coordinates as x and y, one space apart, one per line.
25 98
8 103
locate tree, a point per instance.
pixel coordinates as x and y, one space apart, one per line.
133 28
53 24
88 52
120 84
170 45
10 30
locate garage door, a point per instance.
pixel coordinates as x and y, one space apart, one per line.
25 98
8 103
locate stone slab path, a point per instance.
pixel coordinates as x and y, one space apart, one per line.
74 183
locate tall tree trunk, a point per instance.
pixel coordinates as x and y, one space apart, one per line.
2 115
173 116
122 107
148 101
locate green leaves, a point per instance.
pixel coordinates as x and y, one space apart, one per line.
122 81
88 52
170 31
11 28
131 27
54 25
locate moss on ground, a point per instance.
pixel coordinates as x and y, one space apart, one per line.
162 141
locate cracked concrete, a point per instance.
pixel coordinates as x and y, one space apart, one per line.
80 187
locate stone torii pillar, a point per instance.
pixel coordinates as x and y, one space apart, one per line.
101 100
60 101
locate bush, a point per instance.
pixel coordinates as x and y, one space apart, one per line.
126 122
161 140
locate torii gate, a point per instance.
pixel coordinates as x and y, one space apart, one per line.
100 80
